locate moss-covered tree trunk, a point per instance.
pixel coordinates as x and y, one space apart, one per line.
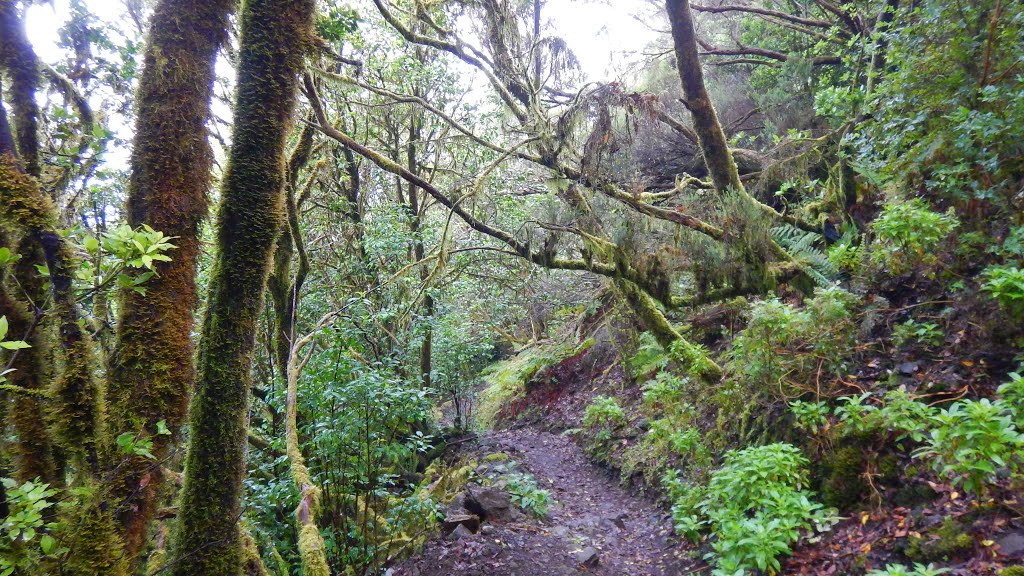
274 36
21 64
151 369
21 300
710 135
287 277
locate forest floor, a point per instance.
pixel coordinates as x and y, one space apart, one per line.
595 526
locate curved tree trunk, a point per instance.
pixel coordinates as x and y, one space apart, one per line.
274 36
151 369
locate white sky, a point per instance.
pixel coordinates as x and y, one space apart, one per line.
605 35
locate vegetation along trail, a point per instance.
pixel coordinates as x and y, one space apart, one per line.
511 287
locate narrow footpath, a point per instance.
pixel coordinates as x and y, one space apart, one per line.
595 527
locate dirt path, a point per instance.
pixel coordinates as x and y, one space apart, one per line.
596 527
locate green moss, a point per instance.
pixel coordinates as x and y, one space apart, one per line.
22 66
31 448
1012 571
151 370
274 37
692 358
93 542
252 564
942 543
506 381
843 486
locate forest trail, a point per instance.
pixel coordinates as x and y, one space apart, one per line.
595 527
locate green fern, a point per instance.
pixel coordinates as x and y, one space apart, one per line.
801 246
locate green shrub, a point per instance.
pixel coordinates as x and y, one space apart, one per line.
973 443
917 570
1012 394
649 357
665 392
908 234
926 333
899 413
809 416
755 505
25 533
524 492
604 412
1006 285
784 347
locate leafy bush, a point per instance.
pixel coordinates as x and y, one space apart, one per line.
973 443
783 347
604 412
917 570
649 356
666 391
908 234
368 429
1006 285
524 492
1012 394
24 533
810 416
755 505
926 333
942 124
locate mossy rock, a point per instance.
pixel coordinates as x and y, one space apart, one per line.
1012 571
914 494
942 543
843 484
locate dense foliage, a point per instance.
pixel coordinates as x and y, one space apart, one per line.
776 278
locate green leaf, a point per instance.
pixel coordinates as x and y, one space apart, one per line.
47 544
14 345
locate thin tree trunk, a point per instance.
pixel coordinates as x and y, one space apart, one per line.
275 34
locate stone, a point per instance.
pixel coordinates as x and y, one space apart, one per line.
560 531
908 368
617 521
587 557
1012 544
454 519
457 505
489 503
460 532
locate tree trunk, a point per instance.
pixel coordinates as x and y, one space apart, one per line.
275 34
710 136
151 369
18 58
